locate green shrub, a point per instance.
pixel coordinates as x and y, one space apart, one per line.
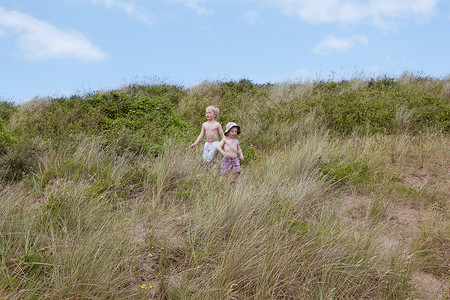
249 153
126 141
372 108
5 139
139 123
56 119
346 169
6 110
136 119
20 159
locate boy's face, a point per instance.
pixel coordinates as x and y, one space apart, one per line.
210 115
233 132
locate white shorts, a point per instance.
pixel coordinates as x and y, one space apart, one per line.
209 150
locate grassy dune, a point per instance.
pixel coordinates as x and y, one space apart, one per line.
343 194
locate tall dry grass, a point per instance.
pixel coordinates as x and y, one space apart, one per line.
314 214
72 232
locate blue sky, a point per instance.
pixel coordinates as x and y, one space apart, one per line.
58 48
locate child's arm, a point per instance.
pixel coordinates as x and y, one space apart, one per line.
219 148
222 135
199 138
239 151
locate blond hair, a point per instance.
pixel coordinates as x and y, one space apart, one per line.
213 109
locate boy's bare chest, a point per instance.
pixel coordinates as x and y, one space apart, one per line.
231 143
211 127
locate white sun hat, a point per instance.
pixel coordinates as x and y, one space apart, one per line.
231 125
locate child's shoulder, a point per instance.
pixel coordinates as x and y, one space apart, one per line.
213 123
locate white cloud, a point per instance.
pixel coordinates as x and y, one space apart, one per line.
395 61
201 10
129 8
333 43
252 17
39 40
377 12
361 39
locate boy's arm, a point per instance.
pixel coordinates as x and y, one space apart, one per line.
240 152
219 148
199 138
222 135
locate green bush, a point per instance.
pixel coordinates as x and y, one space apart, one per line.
19 160
5 139
6 110
249 153
346 169
371 108
137 119
139 123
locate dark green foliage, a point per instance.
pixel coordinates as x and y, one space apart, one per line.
249 153
351 111
346 170
6 110
135 120
5 139
236 97
19 160
59 118
135 113
233 88
125 141
67 169
139 123
372 108
431 112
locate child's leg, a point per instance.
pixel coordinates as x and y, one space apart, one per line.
236 168
235 175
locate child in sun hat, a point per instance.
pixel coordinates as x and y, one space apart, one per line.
211 129
230 151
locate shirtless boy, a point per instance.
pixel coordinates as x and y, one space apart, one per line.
212 129
231 149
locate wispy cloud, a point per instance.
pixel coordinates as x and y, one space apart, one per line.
332 43
39 40
395 61
129 7
201 10
252 17
376 12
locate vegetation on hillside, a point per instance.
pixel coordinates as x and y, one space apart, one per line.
343 194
